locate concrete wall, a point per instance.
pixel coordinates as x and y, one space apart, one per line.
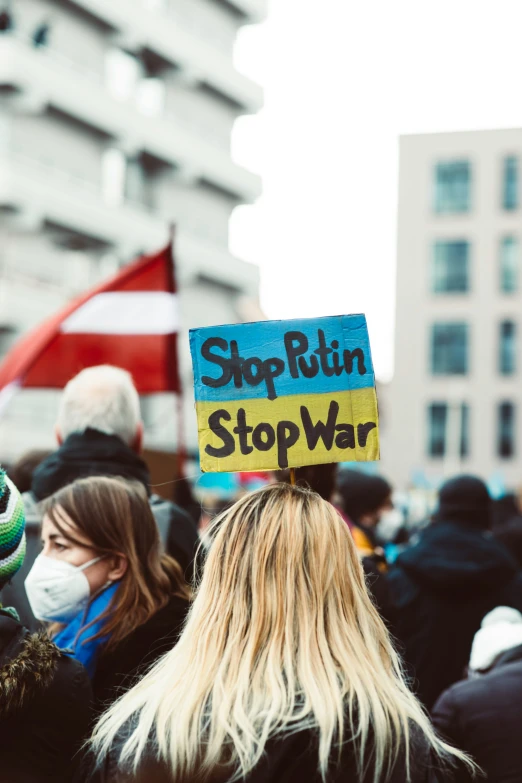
200 210
208 116
54 140
82 42
208 20
413 387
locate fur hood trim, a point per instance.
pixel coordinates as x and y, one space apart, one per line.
32 667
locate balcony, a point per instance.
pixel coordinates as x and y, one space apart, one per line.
31 193
37 78
255 11
156 30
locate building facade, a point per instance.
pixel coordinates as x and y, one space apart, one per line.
456 396
116 120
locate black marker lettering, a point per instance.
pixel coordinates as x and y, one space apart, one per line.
271 369
293 351
287 436
309 372
315 431
363 430
257 437
346 437
229 444
243 430
349 356
221 361
236 364
323 352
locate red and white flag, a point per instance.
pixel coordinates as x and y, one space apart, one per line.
131 322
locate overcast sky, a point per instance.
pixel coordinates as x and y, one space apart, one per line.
343 79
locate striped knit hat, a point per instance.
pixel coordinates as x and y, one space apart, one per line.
12 529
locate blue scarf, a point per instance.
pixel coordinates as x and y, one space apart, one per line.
76 639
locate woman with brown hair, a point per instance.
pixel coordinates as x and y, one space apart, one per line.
111 596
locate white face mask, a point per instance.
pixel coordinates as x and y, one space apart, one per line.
57 590
390 523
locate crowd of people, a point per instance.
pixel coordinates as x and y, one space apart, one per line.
299 634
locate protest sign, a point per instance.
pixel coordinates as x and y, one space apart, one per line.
278 394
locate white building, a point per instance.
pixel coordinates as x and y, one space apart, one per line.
456 397
116 119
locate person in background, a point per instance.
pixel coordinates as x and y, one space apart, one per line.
45 696
441 588
100 433
364 499
483 714
184 497
505 509
22 472
510 536
111 596
320 478
507 525
284 671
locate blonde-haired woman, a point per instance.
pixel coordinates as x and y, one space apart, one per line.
284 671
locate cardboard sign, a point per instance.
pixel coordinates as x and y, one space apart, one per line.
278 394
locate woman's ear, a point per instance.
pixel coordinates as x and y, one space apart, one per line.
119 564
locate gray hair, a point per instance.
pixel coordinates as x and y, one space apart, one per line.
103 398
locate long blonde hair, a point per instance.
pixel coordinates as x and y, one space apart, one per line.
282 636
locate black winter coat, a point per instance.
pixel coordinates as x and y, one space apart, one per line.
45 707
440 590
93 453
483 716
293 759
117 669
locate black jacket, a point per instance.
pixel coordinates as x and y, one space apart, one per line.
93 453
440 590
483 716
117 668
45 702
293 759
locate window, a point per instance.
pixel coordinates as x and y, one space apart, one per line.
464 430
450 266
510 183
437 415
507 348
449 349
509 265
452 186
440 415
122 73
506 429
113 177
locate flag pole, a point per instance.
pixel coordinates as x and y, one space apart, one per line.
181 450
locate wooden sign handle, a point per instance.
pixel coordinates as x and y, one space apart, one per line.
292 476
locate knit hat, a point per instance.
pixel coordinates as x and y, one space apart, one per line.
12 529
501 630
361 493
465 499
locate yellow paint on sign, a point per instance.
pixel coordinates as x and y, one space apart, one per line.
294 430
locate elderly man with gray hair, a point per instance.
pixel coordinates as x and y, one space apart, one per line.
100 433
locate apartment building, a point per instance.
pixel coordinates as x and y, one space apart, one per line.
115 120
456 396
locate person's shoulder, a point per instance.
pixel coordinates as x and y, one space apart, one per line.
165 506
